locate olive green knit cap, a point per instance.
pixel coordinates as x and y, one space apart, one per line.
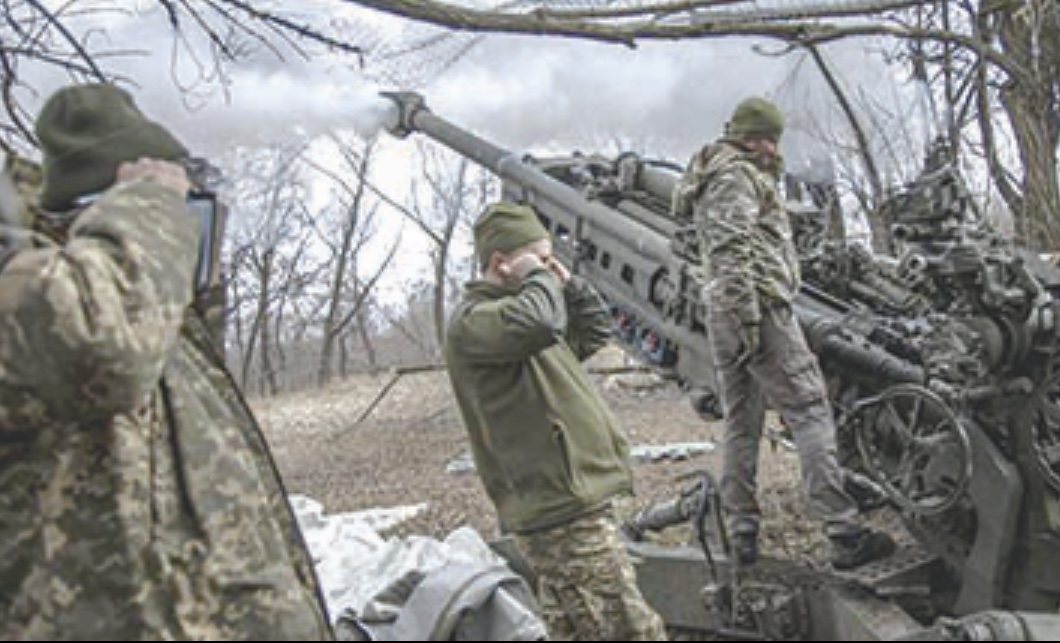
86 132
756 118
505 226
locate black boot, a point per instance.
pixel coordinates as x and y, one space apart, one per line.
867 494
858 549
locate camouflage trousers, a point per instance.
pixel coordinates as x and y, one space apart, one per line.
785 373
586 585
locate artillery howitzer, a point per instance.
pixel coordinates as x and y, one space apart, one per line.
943 370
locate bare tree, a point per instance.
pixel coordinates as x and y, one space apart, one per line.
347 292
364 335
452 192
412 325
270 267
1031 98
216 34
981 57
989 67
992 66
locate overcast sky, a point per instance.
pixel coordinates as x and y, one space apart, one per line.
525 93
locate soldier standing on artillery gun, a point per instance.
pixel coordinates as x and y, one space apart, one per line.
760 353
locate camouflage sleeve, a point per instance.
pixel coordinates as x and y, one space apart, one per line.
682 200
513 328
85 328
689 187
589 325
726 214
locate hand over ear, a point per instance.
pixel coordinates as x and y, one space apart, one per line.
522 265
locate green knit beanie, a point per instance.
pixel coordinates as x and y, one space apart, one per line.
86 132
756 118
505 226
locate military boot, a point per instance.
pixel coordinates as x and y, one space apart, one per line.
862 490
854 550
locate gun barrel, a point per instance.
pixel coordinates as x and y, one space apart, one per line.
630 247
826 335
985 344
536 184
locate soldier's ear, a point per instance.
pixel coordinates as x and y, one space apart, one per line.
500 263
490 263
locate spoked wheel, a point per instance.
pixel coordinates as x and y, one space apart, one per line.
914 447
1046 426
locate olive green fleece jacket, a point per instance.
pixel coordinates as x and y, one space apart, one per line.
545 445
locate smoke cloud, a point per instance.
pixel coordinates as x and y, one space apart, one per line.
532 94
664 99
270 96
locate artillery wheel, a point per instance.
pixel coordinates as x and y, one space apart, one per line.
1046 428
914 447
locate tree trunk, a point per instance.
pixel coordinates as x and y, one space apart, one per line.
1032 42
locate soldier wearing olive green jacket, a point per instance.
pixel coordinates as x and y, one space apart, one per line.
547 449
138 498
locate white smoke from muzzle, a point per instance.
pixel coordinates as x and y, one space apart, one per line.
523 92
534 92
264 110
269 96
663 99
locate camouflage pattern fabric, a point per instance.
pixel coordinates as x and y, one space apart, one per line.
753 275
25 177
586 584
138 496
743 230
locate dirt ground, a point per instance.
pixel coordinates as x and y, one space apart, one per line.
351 449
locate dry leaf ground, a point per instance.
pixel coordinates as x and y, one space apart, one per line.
350 449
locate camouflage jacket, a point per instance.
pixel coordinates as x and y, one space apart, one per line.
545 445
138 499
745 238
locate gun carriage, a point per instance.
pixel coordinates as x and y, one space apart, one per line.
943 370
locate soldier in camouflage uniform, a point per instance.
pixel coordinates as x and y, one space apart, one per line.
139 498
752 275
546 448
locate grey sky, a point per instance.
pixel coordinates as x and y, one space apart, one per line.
523 92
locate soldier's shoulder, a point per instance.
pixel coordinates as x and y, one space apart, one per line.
719 157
